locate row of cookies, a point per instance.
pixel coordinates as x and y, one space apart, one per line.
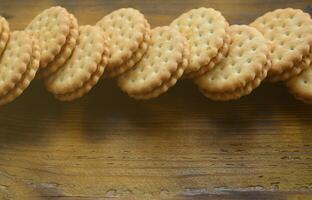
225 62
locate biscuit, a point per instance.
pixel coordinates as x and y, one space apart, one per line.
27 77
301 86
51 27
172 81
83 68
206 31
298 67
160 68
221 54
289 32
126 29
136 57
242 70
14 60
4 33
65 52
88 85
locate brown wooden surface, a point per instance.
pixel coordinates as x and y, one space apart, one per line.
180 145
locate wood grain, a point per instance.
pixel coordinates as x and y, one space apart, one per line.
179 146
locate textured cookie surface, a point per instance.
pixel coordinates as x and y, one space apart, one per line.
27 77
4 33
301 86
51 28
82 64
246 60
157 66
14 61
136 57
205 30
65 52
289 32
86 87
172 81
126 29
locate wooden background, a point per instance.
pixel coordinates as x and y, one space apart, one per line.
178 146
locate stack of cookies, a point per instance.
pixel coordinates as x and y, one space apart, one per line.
160 68
242 70
57 31
128 34
225 62
206 32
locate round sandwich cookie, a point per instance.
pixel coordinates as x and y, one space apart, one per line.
242 70
160 68
128 35
4 34
301 85
65 52
51 28
206 32
289 32
27 76
14 64
83 69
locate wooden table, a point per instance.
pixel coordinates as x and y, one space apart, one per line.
178 146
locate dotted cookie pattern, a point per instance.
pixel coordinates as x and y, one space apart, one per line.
51 27
27 77
301 86
246 60
172 81
136 57
126 29
89 84
214 61
65 52
14 61
289 32
205 30
158 65
83 63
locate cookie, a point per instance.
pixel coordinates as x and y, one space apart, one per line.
221 54
289 32
80 73
126 29
172 81
242 70
4 33
301 85
51 28
65 52
88 85
14 60
27 77
206 32
136 57
160 68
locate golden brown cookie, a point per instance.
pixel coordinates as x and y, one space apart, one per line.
51 28
160 68
243 69
65 52
126 29
289 32
83 68
14 60
206 32
301 85
27 76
